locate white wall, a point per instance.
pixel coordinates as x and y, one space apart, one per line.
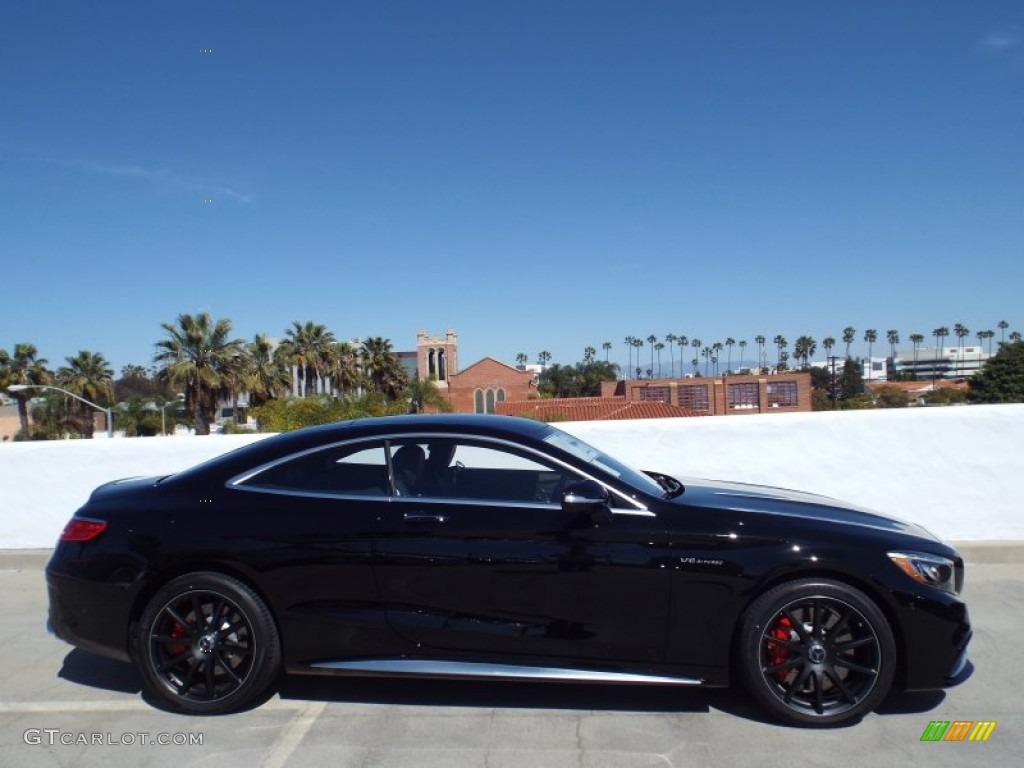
959 471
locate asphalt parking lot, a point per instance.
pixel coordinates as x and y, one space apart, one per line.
55 702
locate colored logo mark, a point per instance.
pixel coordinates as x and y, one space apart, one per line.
958 730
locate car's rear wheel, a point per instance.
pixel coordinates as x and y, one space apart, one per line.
207 644
816 652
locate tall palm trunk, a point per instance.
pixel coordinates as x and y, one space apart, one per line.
22 412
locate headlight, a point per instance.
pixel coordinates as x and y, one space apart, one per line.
931 570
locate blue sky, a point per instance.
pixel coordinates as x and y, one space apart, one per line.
537 175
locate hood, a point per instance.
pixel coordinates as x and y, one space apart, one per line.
765 499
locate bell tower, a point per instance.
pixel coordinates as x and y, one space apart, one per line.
437 357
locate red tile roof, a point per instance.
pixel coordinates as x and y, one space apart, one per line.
591 409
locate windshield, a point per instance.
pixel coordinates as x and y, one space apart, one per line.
602 461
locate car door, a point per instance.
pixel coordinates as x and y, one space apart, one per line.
477 555
309 521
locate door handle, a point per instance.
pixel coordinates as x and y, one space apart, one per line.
423 517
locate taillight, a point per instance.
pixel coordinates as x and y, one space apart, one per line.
82 529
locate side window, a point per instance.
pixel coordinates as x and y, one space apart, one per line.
353 470
446 468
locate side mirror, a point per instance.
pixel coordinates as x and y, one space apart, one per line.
589 497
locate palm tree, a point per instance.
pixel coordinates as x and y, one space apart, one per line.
670 339
234 380
607 347
88 375
961 331
638 343
1002 325
743 347
24 367
849 333
828 342
988 335
706 352
521 358
423 394
716 348
589 353
870 336
781 343
266 377
940 335
346 370
759 340
683 342
132 371
1014 336
804 347
652 340
917 340
658 346
308 346
893 338
193 358
696 366
629 352
383 371
729 342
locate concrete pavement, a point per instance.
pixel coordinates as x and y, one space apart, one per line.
51 693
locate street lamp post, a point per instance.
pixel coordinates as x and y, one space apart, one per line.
107 411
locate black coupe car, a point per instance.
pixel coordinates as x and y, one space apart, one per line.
496 547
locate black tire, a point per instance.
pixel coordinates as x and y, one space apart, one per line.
207 644
816 652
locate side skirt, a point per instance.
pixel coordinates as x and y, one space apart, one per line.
485 671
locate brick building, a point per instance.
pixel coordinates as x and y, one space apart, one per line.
721 396
486 383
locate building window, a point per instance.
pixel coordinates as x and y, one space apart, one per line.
694 397
743 396
782 394
489 398
501 395
478 401
653 394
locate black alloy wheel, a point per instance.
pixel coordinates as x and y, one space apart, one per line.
817 652
207 644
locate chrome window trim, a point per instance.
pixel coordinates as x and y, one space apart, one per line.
238 481
315 494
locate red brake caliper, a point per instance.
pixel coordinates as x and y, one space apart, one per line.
777 654
177 631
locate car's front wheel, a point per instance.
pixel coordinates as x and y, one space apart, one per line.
816 652
207 644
